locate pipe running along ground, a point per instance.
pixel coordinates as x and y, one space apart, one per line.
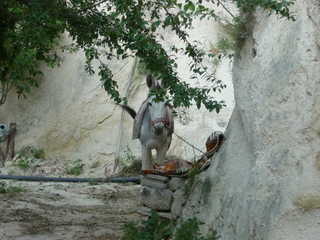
58 179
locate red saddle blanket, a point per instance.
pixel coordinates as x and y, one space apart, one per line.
180 167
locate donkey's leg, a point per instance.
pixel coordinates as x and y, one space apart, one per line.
146 158
161 153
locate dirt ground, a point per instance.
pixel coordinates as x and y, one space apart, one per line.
55 210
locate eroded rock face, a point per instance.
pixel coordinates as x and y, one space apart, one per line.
69 115
265 178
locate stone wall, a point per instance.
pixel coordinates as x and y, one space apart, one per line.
264 183
166 195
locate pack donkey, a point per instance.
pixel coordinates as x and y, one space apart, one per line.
153 125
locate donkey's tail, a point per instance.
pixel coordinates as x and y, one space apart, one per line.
129 110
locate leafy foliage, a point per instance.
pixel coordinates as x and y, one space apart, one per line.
128 157
189 230
281 8
23 160
75 168
4 188
29 33
191 180
39 153
107 29
153 229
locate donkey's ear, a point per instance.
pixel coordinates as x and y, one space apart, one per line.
151 82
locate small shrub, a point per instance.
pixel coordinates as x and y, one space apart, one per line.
131 231
212 236
226 45
16 189
191 180
39 154
132 170
23 163
189 230
4 188
75 168
23 160
95 164
153 229
93 182
128 156
27 157
128 161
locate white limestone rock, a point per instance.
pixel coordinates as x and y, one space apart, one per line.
179 199
176 183
269 166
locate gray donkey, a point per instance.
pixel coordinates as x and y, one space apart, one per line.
153 125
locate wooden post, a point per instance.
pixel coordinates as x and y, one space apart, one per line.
10 142
116 160
2 157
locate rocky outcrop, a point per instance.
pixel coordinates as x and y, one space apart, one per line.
264 183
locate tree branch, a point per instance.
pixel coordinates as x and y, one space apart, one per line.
94 5
219 2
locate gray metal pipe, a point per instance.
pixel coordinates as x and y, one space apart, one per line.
58 179
4 132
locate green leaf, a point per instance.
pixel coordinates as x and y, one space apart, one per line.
192 7
155 25
186 7
167 21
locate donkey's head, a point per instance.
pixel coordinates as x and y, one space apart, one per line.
157 110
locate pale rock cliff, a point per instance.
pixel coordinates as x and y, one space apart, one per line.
265 182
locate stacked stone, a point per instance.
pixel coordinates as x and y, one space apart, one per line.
164 194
